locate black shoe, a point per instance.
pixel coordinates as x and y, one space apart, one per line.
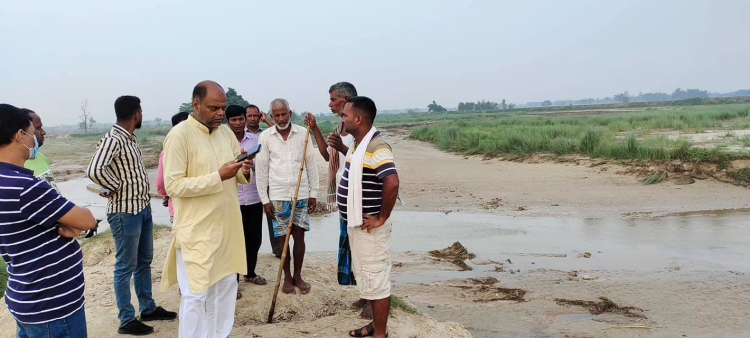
158 314
136 328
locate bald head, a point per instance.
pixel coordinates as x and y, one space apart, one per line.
209 103
201 89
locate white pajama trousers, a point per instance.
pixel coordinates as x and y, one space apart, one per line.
209 314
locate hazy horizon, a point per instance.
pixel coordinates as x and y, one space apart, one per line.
403 55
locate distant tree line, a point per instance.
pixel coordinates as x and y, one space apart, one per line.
625 97
232 98
484 105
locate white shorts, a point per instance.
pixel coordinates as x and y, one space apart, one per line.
371 260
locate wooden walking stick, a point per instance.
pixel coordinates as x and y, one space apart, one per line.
288 229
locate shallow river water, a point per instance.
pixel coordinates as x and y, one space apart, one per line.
714 241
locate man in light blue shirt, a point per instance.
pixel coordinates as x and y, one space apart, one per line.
250 204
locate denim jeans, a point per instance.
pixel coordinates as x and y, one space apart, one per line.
73 326
134 246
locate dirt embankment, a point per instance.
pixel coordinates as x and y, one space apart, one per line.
678 172
324 312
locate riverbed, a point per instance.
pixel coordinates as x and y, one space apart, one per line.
644 260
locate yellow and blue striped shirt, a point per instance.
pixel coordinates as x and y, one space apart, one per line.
378 163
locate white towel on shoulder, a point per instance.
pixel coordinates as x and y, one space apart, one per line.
354 196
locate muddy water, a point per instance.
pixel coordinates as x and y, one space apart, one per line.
719 241
75 190
700 242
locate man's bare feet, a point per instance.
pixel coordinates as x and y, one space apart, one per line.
288 287
359 303
303 286
366 312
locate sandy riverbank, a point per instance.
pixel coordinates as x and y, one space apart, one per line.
323 312
682 298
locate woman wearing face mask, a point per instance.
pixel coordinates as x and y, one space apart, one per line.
45 291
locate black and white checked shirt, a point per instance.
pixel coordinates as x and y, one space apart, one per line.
118 166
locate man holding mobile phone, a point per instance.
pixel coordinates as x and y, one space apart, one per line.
207 252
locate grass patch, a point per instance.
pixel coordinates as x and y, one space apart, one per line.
162 227
92 136
399 303
99 237
141 134
152 131
593 135
107 234
3 277
741 176
655 178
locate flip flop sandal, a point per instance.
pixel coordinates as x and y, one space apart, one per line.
358 332
370 331
257 280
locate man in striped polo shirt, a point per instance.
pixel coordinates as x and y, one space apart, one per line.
366 195
117 166
45 288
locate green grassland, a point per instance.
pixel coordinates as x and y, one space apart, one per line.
3 277
612 135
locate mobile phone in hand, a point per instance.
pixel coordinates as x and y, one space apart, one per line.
242 156
254 150
248 154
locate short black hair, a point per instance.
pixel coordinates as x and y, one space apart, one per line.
11 120
252 106
179 117
234 110
126 106
365 106
200 90
27 110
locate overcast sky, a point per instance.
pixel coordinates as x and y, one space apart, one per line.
400 53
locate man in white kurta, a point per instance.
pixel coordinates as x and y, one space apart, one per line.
208 246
